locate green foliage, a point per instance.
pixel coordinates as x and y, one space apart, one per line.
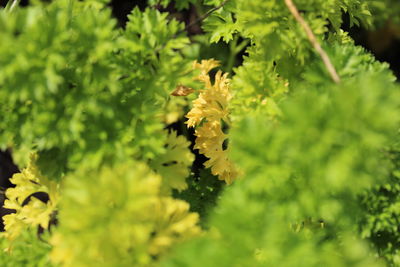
202 193
83 83
27 250
179 4
385 10
350 61
382 213
46 50
280 48
174 163
317 159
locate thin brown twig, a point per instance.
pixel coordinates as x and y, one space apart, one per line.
313 40
207 14
156 5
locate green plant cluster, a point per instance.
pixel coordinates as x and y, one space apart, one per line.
102 92
299 193
381 205
382 13
88 111
28 250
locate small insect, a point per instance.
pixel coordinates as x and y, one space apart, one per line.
182 90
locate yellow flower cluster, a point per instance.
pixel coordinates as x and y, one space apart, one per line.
29 210
209 112
132 223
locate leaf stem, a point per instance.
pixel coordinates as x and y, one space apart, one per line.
232 54
235 49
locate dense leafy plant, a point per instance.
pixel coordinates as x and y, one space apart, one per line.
136 149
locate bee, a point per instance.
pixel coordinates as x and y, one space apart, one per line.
182 90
